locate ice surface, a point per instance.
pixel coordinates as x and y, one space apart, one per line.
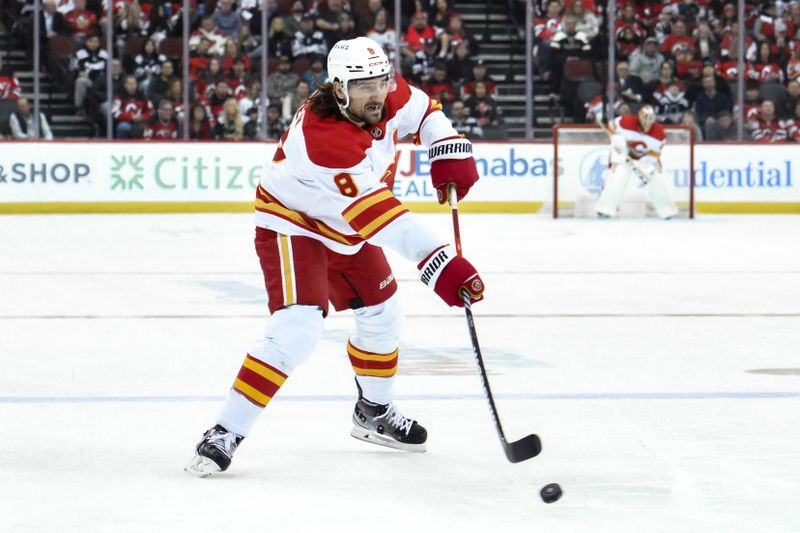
658 362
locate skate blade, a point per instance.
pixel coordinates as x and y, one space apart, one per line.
376 438
201 466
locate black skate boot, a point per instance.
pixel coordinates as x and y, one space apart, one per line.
385 425
214 452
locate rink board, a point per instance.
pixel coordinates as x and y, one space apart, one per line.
71 177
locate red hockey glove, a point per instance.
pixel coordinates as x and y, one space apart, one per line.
452 162
450 274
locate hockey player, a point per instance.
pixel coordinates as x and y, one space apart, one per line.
636 145
324 210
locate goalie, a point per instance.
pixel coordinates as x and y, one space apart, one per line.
636 145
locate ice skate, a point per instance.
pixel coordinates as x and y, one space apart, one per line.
214 452
385 425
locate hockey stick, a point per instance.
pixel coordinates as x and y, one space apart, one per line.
526 447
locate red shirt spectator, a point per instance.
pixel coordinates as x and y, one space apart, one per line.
9 85
544 28
199 125
727 70
767 128
81 20
438 86
479 75
418 32
677 39
163 125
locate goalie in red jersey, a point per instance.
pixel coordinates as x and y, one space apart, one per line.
324 211
636 145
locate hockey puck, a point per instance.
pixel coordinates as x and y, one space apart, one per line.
551 492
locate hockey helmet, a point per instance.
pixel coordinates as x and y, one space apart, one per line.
357 59
647 117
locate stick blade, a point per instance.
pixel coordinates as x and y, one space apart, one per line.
523 449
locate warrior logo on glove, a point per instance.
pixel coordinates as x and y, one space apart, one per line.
451 276
452 162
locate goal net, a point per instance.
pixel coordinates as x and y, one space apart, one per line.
581 167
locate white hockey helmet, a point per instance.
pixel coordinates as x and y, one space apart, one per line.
356 59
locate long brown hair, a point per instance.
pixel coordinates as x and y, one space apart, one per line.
323 102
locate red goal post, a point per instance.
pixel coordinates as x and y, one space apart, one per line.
580 163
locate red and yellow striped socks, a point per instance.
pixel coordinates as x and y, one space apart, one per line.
257 381
382 365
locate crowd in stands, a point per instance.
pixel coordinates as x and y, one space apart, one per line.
436 52
680 56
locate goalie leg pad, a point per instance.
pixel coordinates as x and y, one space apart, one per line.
659 196
614 188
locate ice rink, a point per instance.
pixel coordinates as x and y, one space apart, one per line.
658 361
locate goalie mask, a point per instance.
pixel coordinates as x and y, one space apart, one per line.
647 118
357 59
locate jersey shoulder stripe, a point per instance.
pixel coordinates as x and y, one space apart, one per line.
369 214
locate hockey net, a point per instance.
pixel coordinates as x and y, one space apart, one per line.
581 156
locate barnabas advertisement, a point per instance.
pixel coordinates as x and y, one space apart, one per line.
56 172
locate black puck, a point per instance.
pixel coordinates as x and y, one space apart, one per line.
551 492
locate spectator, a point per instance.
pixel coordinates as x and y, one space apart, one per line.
220 94
209 31
479 74
147 64
237 79
646 61
586 20
439 86
157 87
368 19
792 125
175 95
294 20
159 23
53 21
131 110
483 107
21 123
791 100
677 39
687 66
251 126
96 103
209 79
707 47
317 74
275 125
328 21
230 126
227 19
382 33
463 123
627 43
247 43
291 102
766 128
199 125
81 21
439 14
199 59
252 98
657 87
793 65
764 68
195 21
752 102
163 126
544 29
687 10
566 44
419 32
87 64
425 61
280 40
282 82
629 19
629 87
671 104
459 67
347 30
231 56
457 34
130 22
724 128
710 102
9 85
308 41
689 119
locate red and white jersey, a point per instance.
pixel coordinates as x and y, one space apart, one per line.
646 147
9 87
332 180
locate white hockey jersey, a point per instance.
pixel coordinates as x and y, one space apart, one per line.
331 179
646 147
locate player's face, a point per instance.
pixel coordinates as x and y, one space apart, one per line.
367 98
